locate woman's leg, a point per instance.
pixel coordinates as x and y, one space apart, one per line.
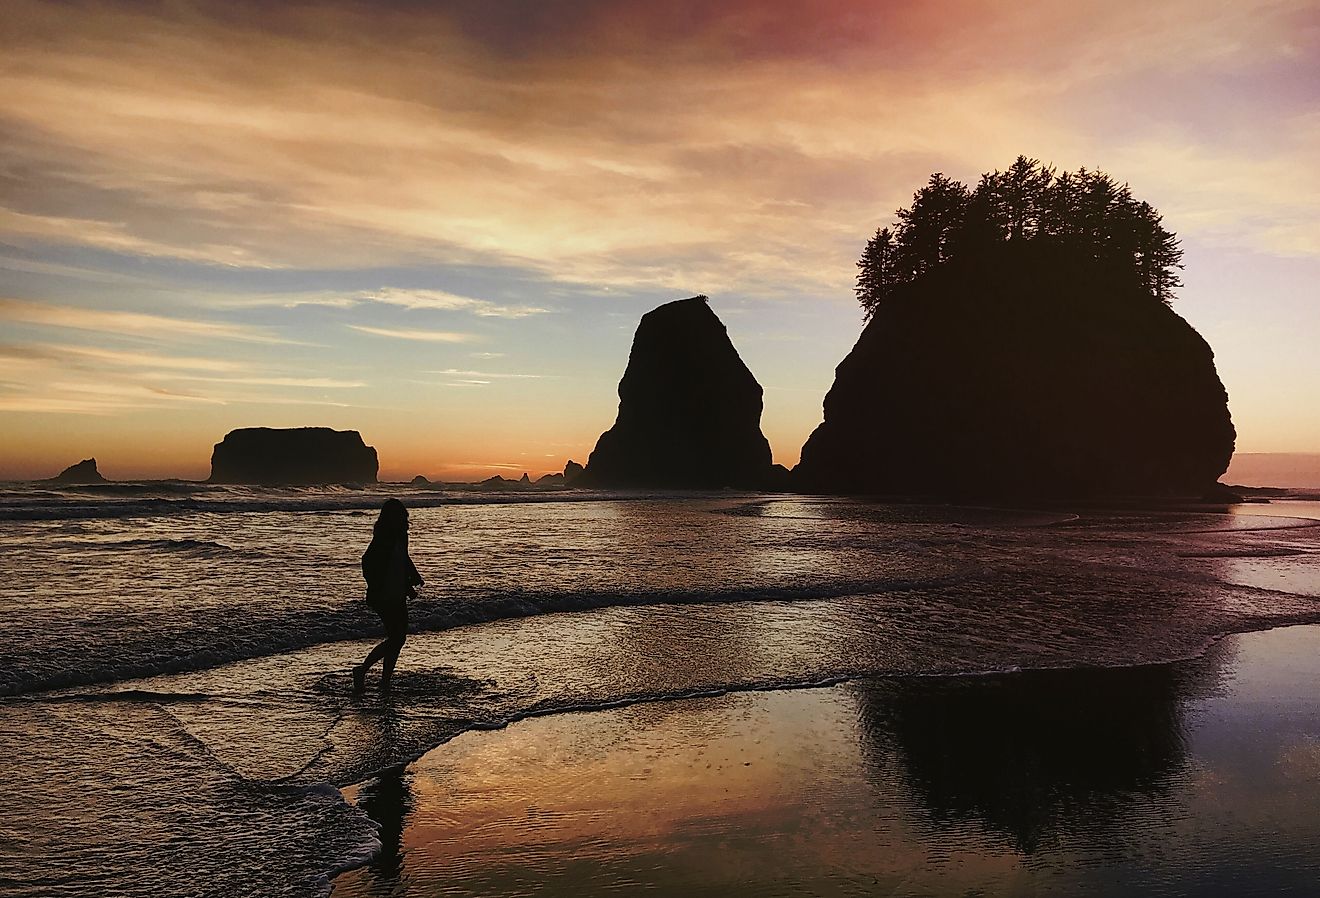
397 629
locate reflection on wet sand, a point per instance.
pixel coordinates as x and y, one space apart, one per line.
1067 780
1039 756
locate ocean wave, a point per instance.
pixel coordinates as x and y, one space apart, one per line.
1248 552
200 548
153 502
208 644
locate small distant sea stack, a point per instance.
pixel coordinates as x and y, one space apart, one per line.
82 473
298 456
689 409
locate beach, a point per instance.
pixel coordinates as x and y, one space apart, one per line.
1194 778
923 697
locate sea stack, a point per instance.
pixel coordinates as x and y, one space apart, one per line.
689 409
82 473
299 456
1023 371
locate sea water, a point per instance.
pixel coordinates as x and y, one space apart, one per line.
177 716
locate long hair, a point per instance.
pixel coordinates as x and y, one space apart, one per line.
392 525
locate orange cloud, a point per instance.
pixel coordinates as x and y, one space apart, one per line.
743 146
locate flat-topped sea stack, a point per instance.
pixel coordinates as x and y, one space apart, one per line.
82 473
689 410
298 456
1024 370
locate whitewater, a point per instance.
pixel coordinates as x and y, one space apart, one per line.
175 711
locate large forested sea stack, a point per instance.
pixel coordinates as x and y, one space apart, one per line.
296 456
689 410
1021 343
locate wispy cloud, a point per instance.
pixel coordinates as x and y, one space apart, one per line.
84 380
134 324
320 383
64 352
440 300
454 372
414 334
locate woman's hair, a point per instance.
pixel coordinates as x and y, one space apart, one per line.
393 520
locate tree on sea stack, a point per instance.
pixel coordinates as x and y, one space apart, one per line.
1085 211
1020 340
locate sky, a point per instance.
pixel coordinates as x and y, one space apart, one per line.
439 223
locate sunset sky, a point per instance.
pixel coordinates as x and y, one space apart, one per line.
438 224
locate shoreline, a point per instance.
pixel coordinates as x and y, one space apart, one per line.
767 609
508 730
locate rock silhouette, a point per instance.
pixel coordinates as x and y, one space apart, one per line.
83 472
1026 369
298 456
689 410
572 472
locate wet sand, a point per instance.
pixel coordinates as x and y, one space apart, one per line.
1194 778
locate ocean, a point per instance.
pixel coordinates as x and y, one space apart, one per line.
175 707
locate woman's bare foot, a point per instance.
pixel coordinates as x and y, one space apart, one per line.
359 679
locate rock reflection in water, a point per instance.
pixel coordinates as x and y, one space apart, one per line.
1038 756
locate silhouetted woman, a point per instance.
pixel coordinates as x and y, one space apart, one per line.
392 579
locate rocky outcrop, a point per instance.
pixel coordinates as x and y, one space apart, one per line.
420 480
82 473
300 456
1023 371
689 410
572 472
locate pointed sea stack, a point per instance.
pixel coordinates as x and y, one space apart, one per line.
82 473
1024 371
297 456
689 410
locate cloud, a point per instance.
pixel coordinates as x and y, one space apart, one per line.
454 372
414 334
63 352
440 300
134 324
320 383
86 380
695 148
